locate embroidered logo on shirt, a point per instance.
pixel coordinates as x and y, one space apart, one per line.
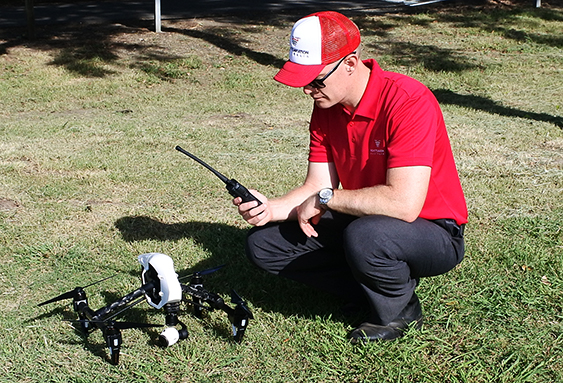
378 150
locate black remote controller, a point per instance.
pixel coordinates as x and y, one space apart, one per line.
233 186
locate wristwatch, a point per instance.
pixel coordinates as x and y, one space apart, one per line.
325 195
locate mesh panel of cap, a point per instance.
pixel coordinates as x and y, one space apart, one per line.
340 36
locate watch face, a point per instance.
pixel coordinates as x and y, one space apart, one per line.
325 193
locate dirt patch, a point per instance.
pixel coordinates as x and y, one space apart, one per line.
8 204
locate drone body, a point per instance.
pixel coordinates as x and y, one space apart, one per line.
161 289
159 268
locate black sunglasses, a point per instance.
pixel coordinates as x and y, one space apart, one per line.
319 83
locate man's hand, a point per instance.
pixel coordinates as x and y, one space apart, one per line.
309 213
303 199
253 214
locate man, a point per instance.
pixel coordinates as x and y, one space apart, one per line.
382 204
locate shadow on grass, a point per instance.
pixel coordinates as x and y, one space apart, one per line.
230 45
446 96
97 349
507 22
431 57
226 246
85 50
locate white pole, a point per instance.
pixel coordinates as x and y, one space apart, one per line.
157 17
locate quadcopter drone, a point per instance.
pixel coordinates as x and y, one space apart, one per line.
161 289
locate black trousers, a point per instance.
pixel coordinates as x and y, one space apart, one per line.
375 260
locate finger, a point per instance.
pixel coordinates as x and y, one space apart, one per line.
261 219
258 216
257 210
315 220
258 195
246 207
249 205
308 229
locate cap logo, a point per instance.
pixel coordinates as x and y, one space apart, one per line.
305 43
294 50
299 53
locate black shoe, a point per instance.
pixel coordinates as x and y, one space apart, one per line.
369 332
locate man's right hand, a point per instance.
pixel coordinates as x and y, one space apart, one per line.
254 214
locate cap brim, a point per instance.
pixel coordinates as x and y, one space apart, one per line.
297 75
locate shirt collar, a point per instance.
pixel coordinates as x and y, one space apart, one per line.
368 104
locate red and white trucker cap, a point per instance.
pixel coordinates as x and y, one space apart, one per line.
316 41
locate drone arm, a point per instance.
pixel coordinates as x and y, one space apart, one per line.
85 313
199 293
126 300
110 329
238 316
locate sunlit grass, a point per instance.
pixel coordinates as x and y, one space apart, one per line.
89 179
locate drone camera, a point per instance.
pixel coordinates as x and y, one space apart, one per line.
172 335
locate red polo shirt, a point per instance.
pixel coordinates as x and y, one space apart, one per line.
397 123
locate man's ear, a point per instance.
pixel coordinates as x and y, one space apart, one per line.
351 63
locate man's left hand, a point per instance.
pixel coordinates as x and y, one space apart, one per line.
309 213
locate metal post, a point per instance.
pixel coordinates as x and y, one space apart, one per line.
157 17
30 19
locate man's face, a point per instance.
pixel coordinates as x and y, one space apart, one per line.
325 90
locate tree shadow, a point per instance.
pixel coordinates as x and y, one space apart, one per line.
505 22
431 57
91 50
225 244
446 96
231 45
83 51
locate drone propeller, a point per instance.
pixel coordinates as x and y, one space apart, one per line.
202 273
67 295
72 293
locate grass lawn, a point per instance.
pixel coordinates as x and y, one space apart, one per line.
89 179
